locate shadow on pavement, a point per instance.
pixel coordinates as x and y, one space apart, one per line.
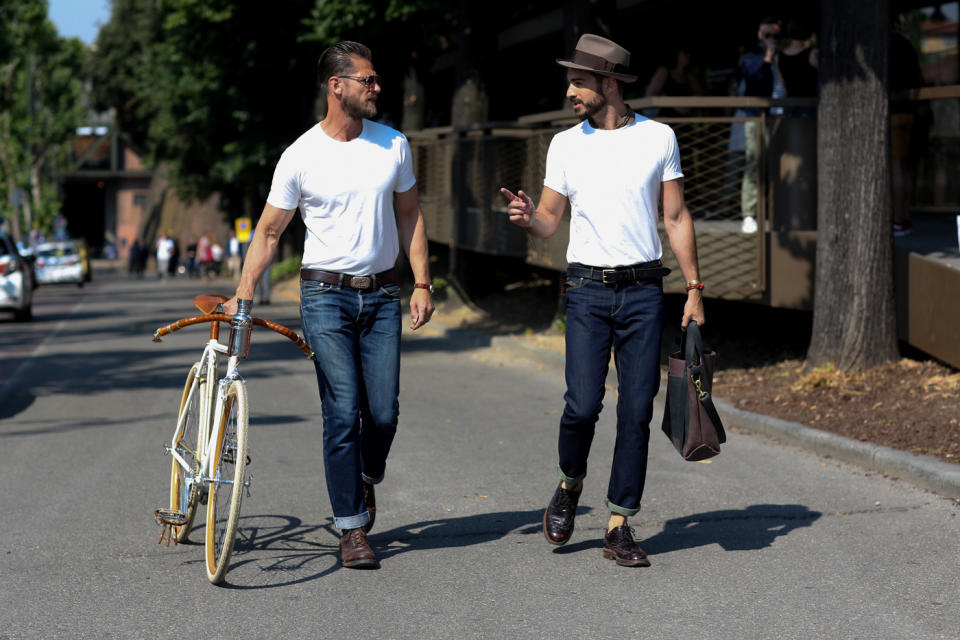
284 544
451 340
755 527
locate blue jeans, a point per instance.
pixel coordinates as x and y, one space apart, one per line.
629 318
356 338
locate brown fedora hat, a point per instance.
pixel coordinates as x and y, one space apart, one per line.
602 56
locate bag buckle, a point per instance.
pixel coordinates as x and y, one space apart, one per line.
360 282
700 392
612 273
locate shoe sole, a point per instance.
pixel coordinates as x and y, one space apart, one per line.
551 540
361 564
610 555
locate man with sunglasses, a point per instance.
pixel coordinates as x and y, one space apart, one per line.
612 169
347 175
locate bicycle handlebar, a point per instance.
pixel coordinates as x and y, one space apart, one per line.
222 317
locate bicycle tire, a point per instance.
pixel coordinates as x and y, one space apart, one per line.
188 445
229 464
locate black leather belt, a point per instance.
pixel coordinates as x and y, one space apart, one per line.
347 280
619 275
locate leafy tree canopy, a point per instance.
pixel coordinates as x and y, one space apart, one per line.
41 105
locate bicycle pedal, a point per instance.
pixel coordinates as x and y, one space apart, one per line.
169 519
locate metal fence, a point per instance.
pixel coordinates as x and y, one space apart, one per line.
460 172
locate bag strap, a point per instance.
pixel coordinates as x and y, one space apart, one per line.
707 401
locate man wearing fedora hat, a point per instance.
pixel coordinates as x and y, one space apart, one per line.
612 168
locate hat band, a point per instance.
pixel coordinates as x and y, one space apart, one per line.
593 61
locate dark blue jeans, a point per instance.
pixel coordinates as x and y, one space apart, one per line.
628 318
356 338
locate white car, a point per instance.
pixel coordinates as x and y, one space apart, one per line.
58 262
16 282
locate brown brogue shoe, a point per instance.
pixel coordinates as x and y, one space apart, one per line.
370 500
558 517
618 545
355 551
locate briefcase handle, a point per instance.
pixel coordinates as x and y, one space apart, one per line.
691 344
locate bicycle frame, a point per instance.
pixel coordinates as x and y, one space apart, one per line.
205 444
215 475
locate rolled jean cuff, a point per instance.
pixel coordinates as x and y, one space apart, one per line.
622 510
352 522
570 481
370 480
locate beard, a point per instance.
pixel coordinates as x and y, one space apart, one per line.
592 107
359 108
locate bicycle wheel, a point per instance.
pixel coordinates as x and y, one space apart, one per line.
226 482
183 494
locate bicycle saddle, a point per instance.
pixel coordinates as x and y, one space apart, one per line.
209 302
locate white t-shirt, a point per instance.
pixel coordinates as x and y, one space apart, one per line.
612 178
164 249
345 194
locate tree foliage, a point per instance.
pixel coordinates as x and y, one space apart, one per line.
215 88
41 105
218 88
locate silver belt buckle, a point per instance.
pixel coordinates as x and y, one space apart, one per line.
360 282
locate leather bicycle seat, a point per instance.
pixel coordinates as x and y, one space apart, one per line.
208 302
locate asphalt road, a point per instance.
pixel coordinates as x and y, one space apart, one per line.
766 541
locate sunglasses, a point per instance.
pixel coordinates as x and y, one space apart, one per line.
367 81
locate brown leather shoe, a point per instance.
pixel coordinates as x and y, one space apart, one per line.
558 517
370 500
355 551
618 545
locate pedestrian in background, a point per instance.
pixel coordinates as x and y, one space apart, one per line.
233 256
758 77
350 299
164 253
204 254
612 169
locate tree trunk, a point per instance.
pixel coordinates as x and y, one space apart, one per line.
470 101
414 96
854 318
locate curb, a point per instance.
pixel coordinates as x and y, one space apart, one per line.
922 471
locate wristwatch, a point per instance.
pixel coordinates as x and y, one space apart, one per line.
424 285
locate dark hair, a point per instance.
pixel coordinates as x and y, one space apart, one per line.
599 78
337 60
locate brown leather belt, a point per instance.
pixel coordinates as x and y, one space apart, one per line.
347 280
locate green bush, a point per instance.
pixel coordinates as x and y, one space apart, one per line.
285 268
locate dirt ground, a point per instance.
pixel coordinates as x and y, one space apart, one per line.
913 404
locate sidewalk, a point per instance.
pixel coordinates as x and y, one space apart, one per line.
922 471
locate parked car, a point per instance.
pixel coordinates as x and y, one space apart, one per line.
59 262
16 280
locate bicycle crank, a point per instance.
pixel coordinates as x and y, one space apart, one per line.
169 519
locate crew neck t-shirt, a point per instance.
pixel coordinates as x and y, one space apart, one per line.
345 194
612 178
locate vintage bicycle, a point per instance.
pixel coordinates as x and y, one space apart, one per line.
209 444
